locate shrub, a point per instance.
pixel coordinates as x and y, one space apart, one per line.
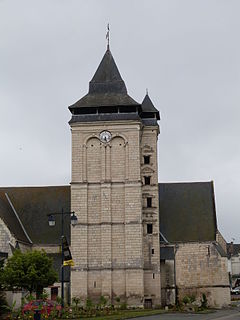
89 304
192 298
123 306
3 304
186 300
204 301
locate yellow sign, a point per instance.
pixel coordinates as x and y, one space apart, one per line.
68 263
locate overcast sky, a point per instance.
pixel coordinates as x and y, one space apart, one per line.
186 52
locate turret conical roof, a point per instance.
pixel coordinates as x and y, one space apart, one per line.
148 107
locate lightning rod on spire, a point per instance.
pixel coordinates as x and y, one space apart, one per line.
108 36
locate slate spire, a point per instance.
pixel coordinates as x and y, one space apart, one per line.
107 78
106 88
148 109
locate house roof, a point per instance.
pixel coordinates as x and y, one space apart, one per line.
187 211
106 88
233 249
10 219
32 204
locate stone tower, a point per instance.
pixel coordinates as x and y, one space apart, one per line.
114 192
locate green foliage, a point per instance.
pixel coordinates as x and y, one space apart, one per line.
3 302
44 295
189 299
123 306
204 301
93 311
186 300
59 300
89 304
31 271
29 298
76 301
103 302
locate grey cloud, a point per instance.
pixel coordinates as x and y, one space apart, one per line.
185 52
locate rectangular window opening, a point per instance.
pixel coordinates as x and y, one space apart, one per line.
94 284
146 159
153 275
147 180
152 251
149 228
148 303
149 202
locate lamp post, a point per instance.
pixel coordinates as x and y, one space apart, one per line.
175 275
52 222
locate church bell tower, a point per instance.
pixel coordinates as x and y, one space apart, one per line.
114 192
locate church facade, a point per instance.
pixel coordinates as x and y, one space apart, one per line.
136 241
114 192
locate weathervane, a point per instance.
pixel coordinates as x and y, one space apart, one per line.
108 36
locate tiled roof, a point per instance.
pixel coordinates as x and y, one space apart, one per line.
10 219
187 211
32 204
106 88
233 249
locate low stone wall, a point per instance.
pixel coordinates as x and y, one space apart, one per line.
201 269
216 297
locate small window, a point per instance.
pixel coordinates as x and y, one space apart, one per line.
94 284
153 275
148 304
152 251
149 228
147 180
149 202
146 159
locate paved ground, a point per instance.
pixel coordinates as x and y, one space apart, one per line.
231 314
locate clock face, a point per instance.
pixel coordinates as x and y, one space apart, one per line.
105 136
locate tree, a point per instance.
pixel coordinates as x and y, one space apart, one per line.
3 302
32 270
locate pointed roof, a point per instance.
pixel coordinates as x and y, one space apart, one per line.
107 78
148 107
106 88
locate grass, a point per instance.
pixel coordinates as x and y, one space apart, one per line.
126 314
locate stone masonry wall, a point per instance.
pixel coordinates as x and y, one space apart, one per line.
150 203
106 194
5 238
201 269
221 241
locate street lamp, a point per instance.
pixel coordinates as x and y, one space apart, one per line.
52 222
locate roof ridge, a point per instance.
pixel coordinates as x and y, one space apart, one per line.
17 216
